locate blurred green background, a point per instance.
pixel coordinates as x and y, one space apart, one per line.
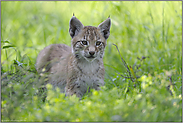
151 29
139 29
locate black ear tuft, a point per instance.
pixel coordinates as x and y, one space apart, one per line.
105 27
75 26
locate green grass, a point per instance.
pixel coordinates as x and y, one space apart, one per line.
140 29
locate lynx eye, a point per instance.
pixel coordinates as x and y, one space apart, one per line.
84 42
98 43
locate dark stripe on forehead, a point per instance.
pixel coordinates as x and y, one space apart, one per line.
91 33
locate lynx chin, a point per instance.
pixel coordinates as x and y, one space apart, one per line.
79 67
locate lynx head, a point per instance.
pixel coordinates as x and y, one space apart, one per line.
89 42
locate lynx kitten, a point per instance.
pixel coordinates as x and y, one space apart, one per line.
79 67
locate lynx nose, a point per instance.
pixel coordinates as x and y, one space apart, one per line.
92 53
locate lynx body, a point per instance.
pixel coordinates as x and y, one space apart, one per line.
79 67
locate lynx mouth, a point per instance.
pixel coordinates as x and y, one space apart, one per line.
90 57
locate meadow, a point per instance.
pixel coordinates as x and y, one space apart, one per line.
143 61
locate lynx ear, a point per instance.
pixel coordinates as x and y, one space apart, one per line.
75 26
105 27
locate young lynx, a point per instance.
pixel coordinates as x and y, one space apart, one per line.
79 67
